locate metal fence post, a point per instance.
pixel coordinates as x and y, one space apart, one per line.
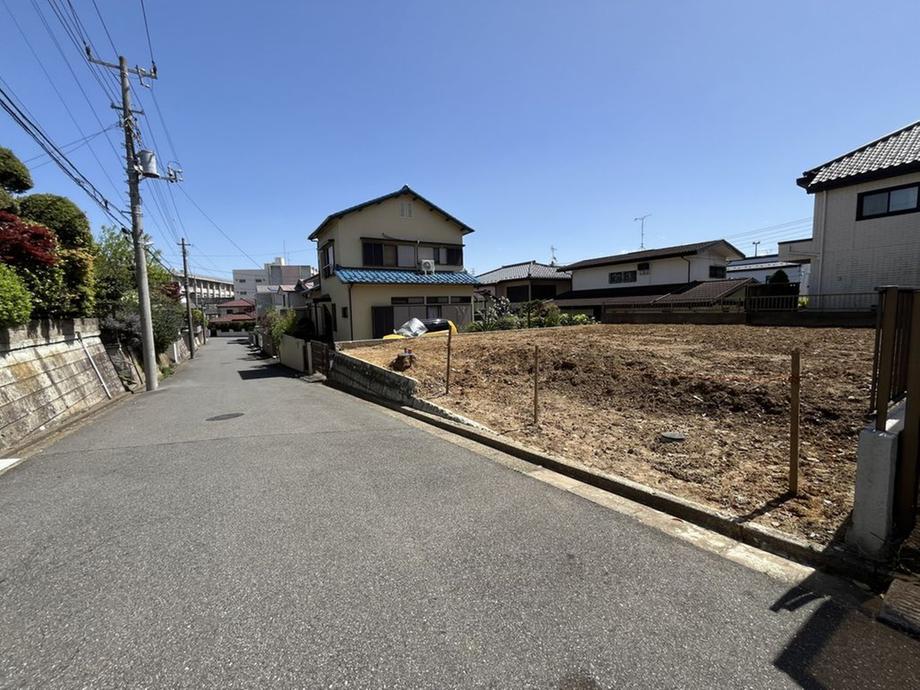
794 425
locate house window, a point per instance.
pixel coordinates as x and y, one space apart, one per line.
405 209
888 202
327 262
437 300
405 255
344 312
622 277
517 293
454 256
461 300
379 254
717 271
241 280
258 280
243 292
407 300
426 253
643 268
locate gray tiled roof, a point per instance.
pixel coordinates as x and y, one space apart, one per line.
523 271
708 291
892 154
662 253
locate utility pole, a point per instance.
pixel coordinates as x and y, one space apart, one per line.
641 220
151 372
188 301
755 243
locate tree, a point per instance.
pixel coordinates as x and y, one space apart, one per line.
14 175
117 303
8 202
62 216
15 302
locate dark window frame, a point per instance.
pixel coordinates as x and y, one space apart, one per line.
327 262
721 272
624 277
886 190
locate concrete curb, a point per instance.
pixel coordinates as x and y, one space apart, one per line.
835 560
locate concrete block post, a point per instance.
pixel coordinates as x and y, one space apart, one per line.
873 506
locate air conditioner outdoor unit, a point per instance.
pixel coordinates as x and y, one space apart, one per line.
427 265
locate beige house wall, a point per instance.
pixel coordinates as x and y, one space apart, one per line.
384 221
859 255
661 272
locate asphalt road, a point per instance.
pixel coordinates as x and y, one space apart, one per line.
240 527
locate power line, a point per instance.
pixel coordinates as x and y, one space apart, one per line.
65 164
58 93
147 29
219 229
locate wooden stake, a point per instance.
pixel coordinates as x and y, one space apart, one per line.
794 426
447 377
536 384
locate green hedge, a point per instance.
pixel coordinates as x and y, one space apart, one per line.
14 176
15 302
61 215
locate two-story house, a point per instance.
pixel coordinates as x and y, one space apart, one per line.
389 259
866 228
651 275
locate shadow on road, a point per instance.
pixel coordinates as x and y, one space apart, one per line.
268 371
841 645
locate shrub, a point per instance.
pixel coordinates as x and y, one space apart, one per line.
79 297
14 176
15 302
474 327
552 315
581 320
8 202
283 325
565 319
508 322
62 216
167 317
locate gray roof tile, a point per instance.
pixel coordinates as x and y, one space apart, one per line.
523 271
892 154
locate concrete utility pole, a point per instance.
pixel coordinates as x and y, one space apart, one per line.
151 372
188 302
641 220
755 243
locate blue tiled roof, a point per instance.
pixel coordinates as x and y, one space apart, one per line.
389 276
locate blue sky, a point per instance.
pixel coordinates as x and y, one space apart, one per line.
537 123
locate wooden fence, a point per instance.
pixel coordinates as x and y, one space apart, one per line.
896 378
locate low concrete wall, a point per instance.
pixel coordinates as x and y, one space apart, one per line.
368 380
47 377
699 317
291 353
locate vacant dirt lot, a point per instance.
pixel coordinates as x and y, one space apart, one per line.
608 392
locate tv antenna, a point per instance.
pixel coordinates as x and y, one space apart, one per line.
641 220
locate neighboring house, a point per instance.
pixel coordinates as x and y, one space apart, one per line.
649 275
237 307
866 230
247 281
525 281
764 268
389 259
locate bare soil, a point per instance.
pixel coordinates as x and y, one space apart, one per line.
608 392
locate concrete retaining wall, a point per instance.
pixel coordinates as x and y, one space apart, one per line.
46 376
368 380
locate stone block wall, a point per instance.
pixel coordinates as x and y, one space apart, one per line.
46 376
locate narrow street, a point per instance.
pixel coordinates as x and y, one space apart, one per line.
239 527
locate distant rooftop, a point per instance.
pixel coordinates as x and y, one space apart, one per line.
648 254
523 271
